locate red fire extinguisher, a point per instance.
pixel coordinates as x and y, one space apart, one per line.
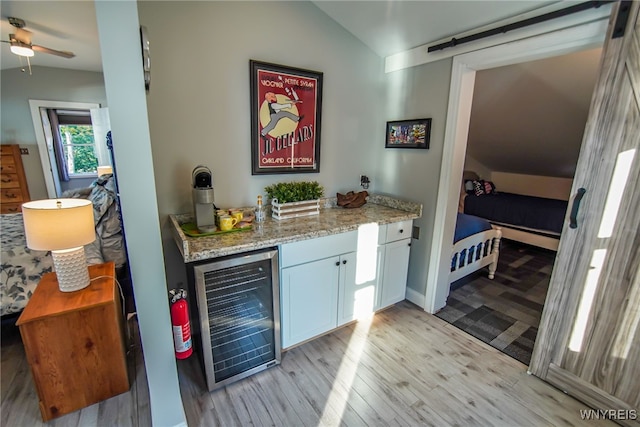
180 322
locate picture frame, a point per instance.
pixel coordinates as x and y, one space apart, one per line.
286 112
408 133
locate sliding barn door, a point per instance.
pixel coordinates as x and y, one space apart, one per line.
589 339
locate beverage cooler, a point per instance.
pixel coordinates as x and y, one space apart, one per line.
239 315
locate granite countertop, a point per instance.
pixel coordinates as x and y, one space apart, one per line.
271 232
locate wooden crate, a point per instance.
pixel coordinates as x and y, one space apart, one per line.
281 211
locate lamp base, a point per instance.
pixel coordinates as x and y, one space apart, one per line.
71 269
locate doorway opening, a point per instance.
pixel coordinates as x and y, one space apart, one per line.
525 133
464 72
72 143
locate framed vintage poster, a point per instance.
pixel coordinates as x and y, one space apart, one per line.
286 107
408 134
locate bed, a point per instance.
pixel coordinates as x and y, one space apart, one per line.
21 267
476 245
533 220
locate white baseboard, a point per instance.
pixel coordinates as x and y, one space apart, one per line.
415 297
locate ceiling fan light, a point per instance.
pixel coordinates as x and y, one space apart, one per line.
21 49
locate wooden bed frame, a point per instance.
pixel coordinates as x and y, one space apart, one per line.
484 248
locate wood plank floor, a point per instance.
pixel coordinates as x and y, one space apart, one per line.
19 401
405 368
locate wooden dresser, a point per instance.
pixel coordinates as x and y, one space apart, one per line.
13 182
74 342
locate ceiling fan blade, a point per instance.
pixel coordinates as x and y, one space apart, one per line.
62 53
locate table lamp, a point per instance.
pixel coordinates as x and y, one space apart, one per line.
62 226
104 170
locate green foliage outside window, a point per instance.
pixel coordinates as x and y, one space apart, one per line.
83 154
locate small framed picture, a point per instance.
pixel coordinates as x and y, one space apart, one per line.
408 134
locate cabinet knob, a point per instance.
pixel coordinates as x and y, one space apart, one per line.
408 244
344 262
338 263
401 231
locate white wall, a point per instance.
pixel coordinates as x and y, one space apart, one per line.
53 84
132 149
472 164
199 110
533 185
418 92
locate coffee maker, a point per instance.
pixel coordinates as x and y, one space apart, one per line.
203 199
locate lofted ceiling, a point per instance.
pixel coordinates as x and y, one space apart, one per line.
529 118
60 25
389 27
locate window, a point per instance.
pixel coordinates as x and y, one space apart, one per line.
79 149
74 143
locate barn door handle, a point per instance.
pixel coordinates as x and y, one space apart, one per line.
573 217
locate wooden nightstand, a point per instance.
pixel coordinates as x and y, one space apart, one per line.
74 343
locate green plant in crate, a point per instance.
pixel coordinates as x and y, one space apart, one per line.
287 192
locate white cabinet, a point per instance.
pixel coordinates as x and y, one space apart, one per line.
329 281
396 263
394 277
313 279
359 290
309 296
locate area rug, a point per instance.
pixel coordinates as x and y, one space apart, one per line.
504 312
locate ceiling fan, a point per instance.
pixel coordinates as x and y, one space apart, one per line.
21 42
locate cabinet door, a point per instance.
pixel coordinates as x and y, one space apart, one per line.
394 279
309 300
359 278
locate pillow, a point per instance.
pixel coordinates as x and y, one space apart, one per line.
489 187
480 187
468 186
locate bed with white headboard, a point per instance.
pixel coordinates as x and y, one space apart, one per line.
533 220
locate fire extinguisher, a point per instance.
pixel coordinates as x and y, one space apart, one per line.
180 323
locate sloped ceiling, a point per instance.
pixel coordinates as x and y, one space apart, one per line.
526 118
529 118
389 27
60 25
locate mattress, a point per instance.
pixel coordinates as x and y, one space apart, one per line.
516 209
468 225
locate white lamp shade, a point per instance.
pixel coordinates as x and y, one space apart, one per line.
58 224
104 170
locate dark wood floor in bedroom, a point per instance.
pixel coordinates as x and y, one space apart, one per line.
504 312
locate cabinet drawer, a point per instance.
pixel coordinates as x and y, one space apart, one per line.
399 230
6 149
8 208
314 249
10 195
9 180
7 165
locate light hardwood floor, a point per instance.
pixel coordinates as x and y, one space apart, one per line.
19 407
406 367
